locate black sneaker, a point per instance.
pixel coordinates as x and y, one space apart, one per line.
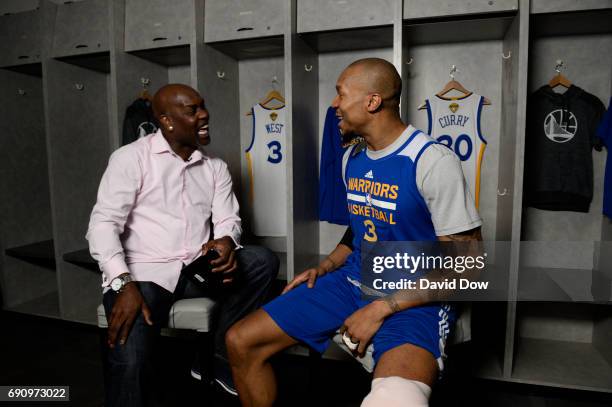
223 374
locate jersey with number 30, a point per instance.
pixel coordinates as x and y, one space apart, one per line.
266 158
455 122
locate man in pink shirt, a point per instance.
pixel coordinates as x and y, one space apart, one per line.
160 201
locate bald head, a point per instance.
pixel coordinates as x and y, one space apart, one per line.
377 75
169 95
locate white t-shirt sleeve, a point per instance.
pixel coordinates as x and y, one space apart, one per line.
441 183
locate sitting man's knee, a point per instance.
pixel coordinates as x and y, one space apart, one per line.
270 261
237 342
396 391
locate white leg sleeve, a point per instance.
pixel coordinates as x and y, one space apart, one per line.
397 392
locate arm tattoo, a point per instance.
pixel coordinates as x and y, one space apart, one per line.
392 303
473 234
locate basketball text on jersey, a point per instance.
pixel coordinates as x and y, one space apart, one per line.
455 123
267 173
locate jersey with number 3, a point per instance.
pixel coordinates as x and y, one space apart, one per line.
455 122
266 157
383 198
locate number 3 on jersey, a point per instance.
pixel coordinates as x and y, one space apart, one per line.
462 146
370 234
274 152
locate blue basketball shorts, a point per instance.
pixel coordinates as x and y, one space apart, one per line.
313 315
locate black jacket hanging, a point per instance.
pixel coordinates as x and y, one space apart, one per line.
139 121
558 149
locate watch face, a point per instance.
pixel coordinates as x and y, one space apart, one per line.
116 284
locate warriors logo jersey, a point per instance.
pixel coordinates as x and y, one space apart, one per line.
383 199
455 122
267 172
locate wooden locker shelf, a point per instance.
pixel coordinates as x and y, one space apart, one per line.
351 39
423 9
34 69
572 23
166 56
252 48
99 62
81 258
557 285
457 29
41 253
554 363
44 306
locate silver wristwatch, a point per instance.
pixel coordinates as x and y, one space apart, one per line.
120 281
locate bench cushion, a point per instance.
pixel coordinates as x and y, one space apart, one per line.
192 313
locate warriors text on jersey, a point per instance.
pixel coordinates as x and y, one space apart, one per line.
455 122
267 172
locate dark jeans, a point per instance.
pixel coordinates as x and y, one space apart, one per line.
130 365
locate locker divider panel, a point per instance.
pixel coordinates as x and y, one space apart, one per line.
28 280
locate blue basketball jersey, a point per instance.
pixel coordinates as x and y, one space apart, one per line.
604 132
384 202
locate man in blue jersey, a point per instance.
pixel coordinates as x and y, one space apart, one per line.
403 186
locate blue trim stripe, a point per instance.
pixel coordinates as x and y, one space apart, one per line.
416 159
429 117
480 104
253 133
403 146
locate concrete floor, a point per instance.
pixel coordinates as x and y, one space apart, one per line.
50 352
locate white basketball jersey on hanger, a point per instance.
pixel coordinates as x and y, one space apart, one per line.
266 158
455 122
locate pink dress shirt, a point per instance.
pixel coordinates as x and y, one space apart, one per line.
154 211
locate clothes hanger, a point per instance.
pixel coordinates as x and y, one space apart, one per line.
559 78
270 97
144 92
454 85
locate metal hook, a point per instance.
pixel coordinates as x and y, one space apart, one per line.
275 79
508 56
307 67
221 74
145 82
79 86
410 61
504 192
21 92
453 70
560 64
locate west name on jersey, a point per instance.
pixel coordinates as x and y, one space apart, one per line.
274 128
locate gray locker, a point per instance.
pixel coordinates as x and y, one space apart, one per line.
81 28
157 23
547 6
429 9
243 19
22 31
321 15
